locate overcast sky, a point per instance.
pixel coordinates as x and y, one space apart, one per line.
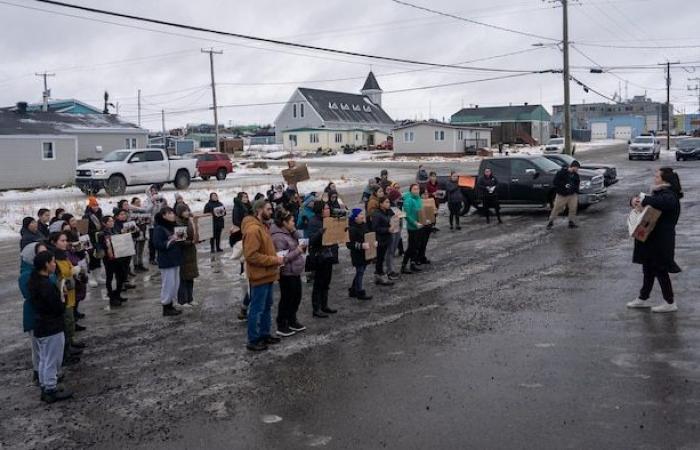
90 57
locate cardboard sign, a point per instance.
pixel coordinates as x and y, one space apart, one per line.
204 226
371 252
641 223
296 174
466 182
336 231
83 226
122 245
427 214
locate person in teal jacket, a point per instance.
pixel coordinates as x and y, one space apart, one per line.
25 270
412 204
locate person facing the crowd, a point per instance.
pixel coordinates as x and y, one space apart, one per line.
566 184
287 244
43 219
189 269
169 259
49 337
241 209
29 232
262 266
369 189
121 216
322 258
382 220
358 246
412 204
422 177
277 196
455 200
425 232
657 253
487 188
217 211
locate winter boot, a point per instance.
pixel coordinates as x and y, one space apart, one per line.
114 301
550 225
572 224
55 395
170 310
352 293
35 377
382 280
405 270
324 304
362 295
243 313
415 268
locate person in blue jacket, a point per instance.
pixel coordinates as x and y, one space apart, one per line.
169 259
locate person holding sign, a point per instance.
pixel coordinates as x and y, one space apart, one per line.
113 267
657 253
357 247
486 187
169 259
263 269
218 212
384 224
321 260
412 204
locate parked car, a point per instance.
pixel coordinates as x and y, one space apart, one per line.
526 181
386 145
688 149
609 172
647 147
349 149
555 145
133 167
213 164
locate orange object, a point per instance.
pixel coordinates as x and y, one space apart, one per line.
466 181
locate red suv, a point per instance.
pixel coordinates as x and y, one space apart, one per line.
213 164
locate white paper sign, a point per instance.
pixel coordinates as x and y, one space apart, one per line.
122 245
181 233
205 227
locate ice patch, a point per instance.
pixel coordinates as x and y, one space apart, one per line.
545 345
271 418
320 441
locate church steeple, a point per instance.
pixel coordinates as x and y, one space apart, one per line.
372 90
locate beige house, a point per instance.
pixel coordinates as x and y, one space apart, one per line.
309 140
437 138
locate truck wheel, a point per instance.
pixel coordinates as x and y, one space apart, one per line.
221 174
116 185
466 207
182 180
87 191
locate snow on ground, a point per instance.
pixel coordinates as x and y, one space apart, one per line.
15 205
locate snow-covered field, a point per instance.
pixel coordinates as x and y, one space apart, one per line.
15 205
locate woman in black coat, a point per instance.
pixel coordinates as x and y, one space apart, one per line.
657 253
455 199
486 188
218 211
321 259
241 209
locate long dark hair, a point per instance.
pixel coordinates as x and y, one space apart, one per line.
160 220
40 262
671 177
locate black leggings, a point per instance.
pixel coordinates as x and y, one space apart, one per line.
290 298
650 273
455 209
114 268
413 251
381 255
215 242
492 202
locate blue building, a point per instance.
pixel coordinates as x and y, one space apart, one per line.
616 127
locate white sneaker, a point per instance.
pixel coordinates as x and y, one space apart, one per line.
92 283
186 305
194 303
665 308
638 303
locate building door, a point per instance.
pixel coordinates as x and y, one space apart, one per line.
599 130
370 139
623 133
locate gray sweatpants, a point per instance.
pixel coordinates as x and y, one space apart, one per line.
35 351
169 284
50 359
391 251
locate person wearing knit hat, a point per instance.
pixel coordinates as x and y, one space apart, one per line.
92 202
357 247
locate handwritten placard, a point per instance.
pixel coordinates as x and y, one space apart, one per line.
336 231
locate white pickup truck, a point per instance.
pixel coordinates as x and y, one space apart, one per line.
133 167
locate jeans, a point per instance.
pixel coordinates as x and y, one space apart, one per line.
215 242
35 351
290 298
259 312
391 252
425 233
50 359
359 276
491 201
651 273
69 325
169 285
185 293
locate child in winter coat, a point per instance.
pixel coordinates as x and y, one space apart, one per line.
169 259
357 246
188 270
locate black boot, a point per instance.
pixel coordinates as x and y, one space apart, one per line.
114 302
362 295
317 303
352 293
170 310
405 269
415 268
55 395
35 377
324 304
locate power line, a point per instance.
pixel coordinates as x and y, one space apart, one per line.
475 22
459 83
276 42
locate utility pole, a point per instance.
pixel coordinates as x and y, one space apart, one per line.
567 76
213 52
696 88
47 93
139 107
162 118
668 101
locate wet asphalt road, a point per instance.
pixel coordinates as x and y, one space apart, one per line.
514 338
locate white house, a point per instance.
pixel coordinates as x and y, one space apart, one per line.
430 138
355 119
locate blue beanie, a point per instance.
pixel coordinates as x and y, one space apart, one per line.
355 212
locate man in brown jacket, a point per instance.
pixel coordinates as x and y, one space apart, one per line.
262 267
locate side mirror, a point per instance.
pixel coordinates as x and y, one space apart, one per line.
531 172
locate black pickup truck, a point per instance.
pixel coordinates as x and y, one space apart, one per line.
525 181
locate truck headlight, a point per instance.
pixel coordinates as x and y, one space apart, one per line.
99 172
585 185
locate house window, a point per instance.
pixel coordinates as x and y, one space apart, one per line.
338 138
130 143
408 136
313 138
439 135
293 139
357 137
47 151
460 135
301 109
294 110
